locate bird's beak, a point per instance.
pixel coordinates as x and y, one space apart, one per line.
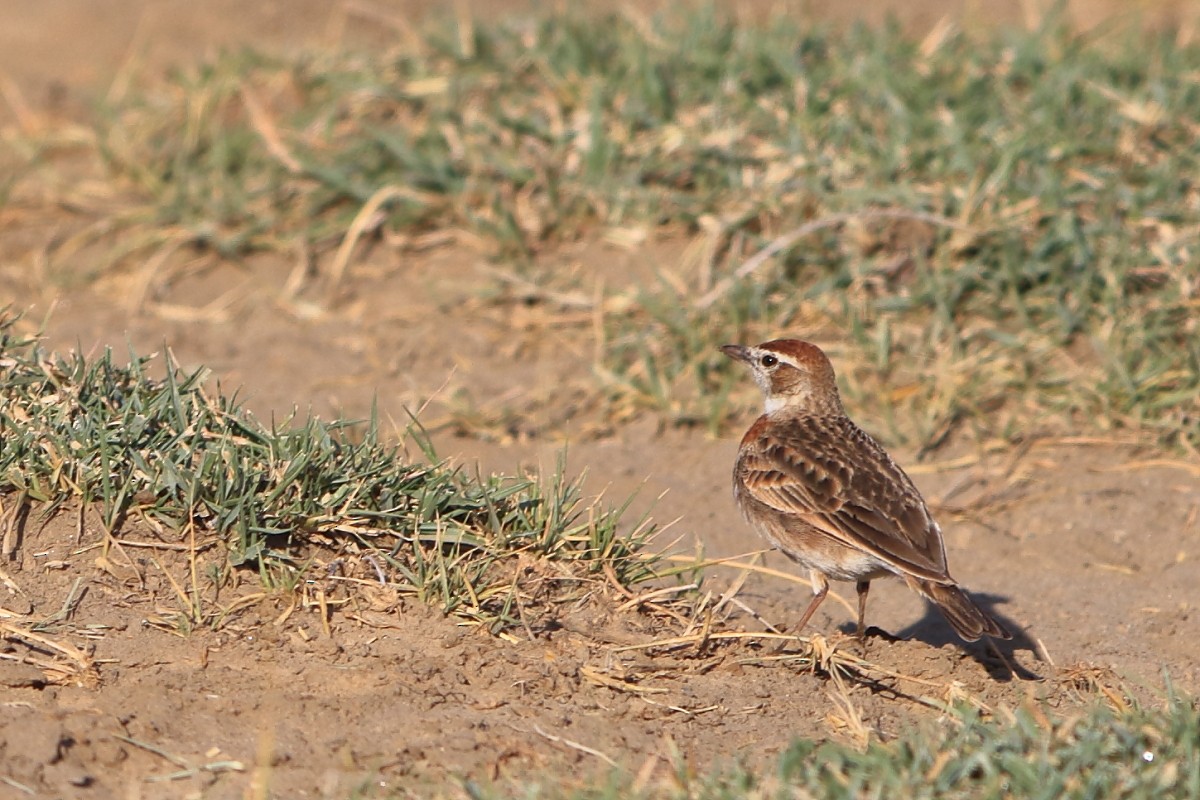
738 352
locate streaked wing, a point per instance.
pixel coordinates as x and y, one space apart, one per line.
838 479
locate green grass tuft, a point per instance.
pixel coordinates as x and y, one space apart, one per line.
192 462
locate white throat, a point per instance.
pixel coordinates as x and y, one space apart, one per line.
774 403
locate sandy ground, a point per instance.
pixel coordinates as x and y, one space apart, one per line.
1085 546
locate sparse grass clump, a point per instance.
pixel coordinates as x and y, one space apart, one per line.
197 468
1134 753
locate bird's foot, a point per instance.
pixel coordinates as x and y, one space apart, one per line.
875 631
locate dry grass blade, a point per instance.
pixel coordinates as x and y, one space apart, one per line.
1155 463
366 219
73 666
675 642
591 751
268 130
598 678
732 562
187 770
789 239
11 521
655 594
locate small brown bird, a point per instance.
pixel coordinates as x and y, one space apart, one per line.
820 489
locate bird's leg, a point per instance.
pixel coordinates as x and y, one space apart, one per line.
863 587
820 588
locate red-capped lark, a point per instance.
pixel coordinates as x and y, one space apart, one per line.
820 489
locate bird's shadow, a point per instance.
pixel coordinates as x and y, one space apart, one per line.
997 656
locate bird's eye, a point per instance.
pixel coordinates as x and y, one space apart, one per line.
769 361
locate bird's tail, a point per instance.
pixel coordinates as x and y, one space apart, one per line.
968 620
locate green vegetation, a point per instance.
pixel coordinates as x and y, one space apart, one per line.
1136 753
1139 753
1001 227
198 468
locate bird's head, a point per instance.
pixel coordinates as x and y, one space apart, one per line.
792 374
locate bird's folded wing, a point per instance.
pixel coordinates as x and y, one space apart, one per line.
857 504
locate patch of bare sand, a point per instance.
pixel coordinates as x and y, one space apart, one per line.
390 692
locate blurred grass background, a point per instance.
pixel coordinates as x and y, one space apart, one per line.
994 232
